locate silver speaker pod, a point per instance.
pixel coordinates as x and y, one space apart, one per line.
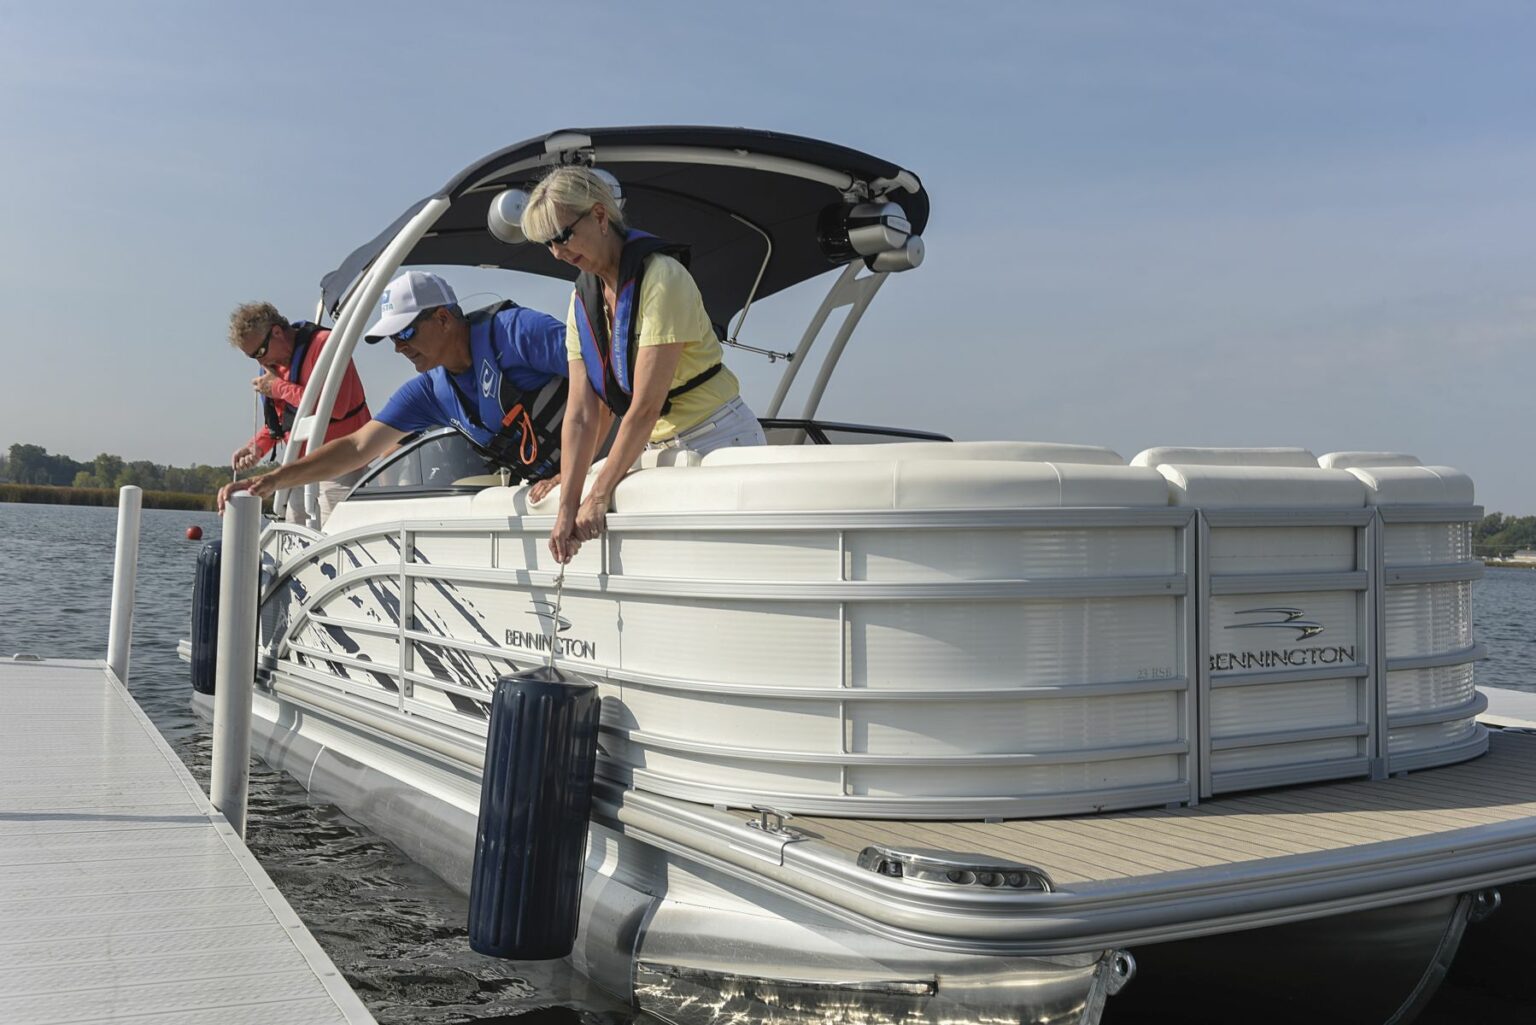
848 231
907 257
505 216
613 185
877 228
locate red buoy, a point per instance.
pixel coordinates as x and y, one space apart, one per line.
194 533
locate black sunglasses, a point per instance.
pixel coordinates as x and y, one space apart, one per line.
564 235
408 332
266 340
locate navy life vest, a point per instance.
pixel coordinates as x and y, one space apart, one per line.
526 435
610 361
280 422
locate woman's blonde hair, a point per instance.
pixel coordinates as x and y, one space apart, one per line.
561 195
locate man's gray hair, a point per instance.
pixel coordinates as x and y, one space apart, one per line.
254 318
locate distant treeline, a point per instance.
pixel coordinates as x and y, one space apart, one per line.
47 494
33 464
1498 536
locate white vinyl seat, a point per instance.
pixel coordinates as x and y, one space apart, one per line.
891 484
1185 456
1014 451
1349 460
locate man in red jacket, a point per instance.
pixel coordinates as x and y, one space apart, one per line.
287 354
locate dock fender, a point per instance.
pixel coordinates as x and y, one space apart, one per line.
535 806
205 617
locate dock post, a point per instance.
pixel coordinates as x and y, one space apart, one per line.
125 571
234 671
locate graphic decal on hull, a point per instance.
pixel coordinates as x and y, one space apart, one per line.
452 615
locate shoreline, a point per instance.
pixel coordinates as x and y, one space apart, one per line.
50 494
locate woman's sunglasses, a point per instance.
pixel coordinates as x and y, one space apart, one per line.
564 235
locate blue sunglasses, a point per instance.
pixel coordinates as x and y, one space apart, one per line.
408 332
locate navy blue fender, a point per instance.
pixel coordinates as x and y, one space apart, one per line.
205 617
535 799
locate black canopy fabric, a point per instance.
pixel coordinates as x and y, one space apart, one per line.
690 202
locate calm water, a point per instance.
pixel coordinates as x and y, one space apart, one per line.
396 931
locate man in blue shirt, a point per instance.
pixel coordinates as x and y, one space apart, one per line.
498 376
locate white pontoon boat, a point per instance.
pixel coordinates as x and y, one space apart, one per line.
915 730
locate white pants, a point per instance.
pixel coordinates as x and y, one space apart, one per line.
330 493
733 423
333 491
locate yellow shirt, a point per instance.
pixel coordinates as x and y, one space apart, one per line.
672 311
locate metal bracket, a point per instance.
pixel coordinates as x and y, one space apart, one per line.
773 354
772 823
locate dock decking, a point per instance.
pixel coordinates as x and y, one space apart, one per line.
124 896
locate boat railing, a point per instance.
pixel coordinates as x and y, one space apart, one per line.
923 662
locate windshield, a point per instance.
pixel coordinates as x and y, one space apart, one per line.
443 460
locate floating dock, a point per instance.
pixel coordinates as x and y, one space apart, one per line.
124 895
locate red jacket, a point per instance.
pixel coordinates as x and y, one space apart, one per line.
349 413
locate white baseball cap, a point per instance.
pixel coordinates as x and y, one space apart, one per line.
405 298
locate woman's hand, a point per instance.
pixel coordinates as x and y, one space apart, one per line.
563 543
593 516
572 528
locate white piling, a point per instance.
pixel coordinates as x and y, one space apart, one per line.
125 572
234 672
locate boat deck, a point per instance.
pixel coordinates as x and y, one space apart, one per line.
124 896
1120 879
1495 789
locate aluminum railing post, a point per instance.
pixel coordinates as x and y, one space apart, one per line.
125 572
235 666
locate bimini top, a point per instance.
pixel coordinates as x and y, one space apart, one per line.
734 195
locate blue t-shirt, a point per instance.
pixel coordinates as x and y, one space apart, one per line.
525 345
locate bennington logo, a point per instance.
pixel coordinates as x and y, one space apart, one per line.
1290 620
545 610
541 641
1281 619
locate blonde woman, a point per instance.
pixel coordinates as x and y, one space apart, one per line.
638 334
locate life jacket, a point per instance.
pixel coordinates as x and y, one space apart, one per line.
609 360
526 438
280 422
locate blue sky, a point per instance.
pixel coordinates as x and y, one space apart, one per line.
1174 223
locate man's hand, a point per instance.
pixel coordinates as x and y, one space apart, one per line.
263 385
542 487
245 457
261 487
